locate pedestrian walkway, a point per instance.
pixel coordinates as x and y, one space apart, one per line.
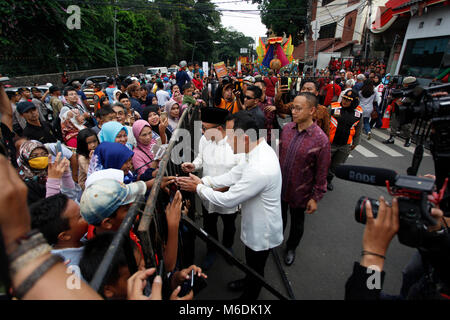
374 147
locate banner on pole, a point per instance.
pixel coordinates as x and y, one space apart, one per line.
221 69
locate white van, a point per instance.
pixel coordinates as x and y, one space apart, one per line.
157 70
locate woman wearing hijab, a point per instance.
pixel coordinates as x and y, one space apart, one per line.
71 124
172 109
33 162
151 115
116 95
114 131
143 155
112 155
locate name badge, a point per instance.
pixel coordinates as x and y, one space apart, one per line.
337 112
357 114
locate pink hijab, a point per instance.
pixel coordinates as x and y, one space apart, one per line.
138 126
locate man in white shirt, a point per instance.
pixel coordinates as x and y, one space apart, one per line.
256 184
162 95
216 157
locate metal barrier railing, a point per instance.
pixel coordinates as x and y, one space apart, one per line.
151 226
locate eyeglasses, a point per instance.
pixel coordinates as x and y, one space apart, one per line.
296 108
347 98
249 98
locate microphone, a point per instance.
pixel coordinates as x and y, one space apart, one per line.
367 175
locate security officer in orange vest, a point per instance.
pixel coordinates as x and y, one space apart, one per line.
98 94
345 130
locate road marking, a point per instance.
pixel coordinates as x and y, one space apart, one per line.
385 136
384 148
365 152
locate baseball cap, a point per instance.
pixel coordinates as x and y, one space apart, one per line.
409 80
166 79
115 174
23 107
134 79
183 64
103 197
249 79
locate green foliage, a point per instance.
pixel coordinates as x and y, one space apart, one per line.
34 37
288 16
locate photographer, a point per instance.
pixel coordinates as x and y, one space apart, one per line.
379 232
401 116
227 97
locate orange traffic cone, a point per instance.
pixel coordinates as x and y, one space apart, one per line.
386 117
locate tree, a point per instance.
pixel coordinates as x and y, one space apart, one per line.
288 16
230 43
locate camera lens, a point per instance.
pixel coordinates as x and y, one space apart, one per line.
360 209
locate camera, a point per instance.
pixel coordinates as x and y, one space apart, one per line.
414 207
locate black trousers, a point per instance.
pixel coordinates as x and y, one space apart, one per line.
297 224
210 226
257 261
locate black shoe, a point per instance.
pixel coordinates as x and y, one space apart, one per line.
237 285
391 140
290 257
330 186
407 143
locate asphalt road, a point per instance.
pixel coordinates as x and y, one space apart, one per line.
332 239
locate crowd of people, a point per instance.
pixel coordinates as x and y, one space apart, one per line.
83 167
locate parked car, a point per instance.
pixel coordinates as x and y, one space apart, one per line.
96 79
172 71
153 71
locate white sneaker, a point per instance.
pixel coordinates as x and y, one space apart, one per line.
369 136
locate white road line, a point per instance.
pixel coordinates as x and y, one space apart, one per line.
365 152
384 148
385 136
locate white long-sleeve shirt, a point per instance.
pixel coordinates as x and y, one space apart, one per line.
216 158
256 184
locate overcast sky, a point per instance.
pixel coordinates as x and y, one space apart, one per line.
248 23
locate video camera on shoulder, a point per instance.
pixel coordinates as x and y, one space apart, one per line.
414 207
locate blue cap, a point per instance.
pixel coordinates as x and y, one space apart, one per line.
166 79
103 197
23 107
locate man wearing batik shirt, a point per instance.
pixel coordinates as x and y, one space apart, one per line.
269 110
304 160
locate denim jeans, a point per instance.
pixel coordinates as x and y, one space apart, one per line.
367 128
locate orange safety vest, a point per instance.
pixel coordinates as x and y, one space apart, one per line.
99 94
336 107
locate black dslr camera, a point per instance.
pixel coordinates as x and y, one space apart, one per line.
414 207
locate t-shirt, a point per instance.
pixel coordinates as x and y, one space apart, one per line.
72 254
163 97
57 105
89 93
110 94
43 134
182 78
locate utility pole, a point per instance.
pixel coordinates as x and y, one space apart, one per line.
308 26
115 36
366 55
